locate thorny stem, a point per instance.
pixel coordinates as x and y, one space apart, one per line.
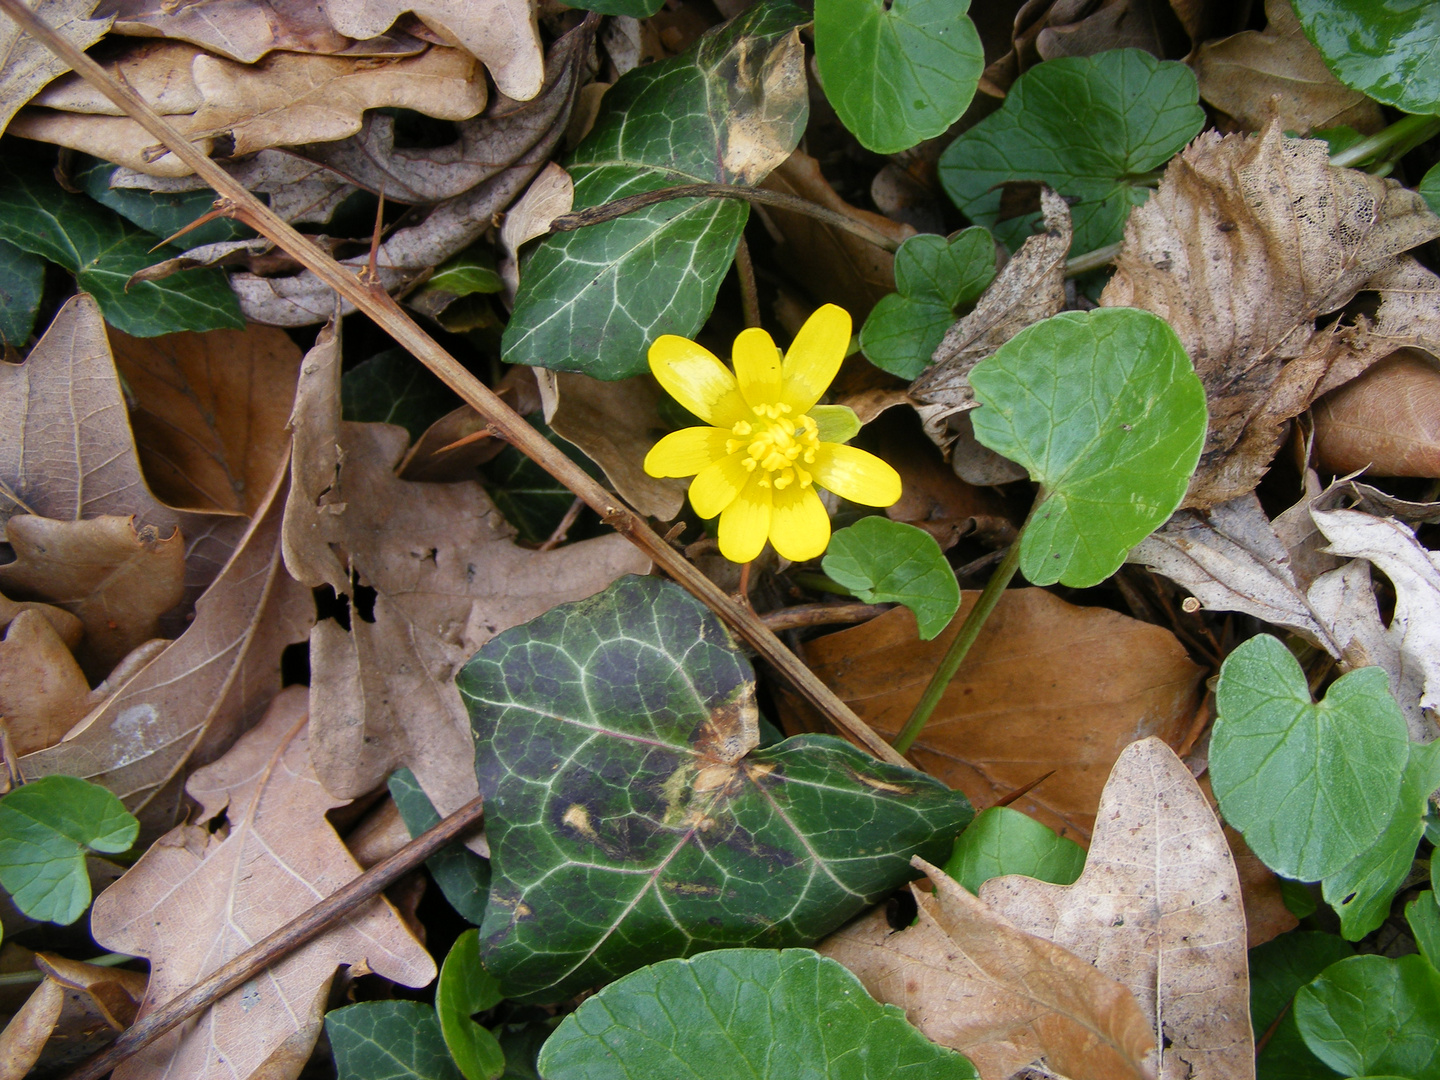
508 424
1401 136
969 631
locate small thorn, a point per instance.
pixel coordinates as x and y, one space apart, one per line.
1020 792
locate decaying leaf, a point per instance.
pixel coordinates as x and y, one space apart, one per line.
1047 686
260 853
26 65
1387 421
43 692
77 1009
1257 76
549 195
1246 243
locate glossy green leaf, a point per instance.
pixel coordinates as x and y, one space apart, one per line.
627 821
725 112
639 9
883 561
897 72
1311 786
463 876
1371 1015
1004 841
46 829
522 1047
160 213
471 271
1104 411
1430 188
753 1013
464 989
1281 966
936 278
392 387
1388 49
1362 890
1423 915
389 1040
22 280
1090 127
1297 897
103 250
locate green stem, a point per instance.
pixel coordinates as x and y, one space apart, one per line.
969 631
820 583
1403 135
1092 260
22 978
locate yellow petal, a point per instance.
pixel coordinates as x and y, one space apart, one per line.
757 367
686 452
746 523
855 475
718 484
694 377
814 357
799 525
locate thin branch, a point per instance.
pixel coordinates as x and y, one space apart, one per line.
749 293
793 618
241 969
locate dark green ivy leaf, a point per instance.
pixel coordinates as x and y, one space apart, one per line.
392 387
463 876
159 213
389 1040
1277 970
629 818
22 280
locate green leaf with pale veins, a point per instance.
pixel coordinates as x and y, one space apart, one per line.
725 112
1090 127
389 1040
1387 49
883 561
1311 786
103 250
1005 841
897 71
160 213
630 818
1374 1016
46 829
22 280
464 989
752 1013
1104 410
392 387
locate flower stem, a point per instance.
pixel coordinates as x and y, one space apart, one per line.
749 293
819 583
1401 136
969 631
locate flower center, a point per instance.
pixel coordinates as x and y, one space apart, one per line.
778 444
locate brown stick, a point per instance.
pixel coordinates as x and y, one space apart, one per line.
240 969
792 618
387 314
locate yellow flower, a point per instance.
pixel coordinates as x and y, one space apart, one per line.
769 443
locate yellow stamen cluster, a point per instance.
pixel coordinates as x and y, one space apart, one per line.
777 443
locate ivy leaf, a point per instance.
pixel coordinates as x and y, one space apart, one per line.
1104 411
391 387
46 828
744 1012
22 279
883 561
102 250
463 876
935 277
464 989
1004 841
1361 891
1090 127
1311 786
389 1040
898 72
160 213
726 112
1385 49
638 9
1374 1016
630 818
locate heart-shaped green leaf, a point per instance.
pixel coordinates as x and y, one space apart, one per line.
464 989
1388 49
935 277
629 818
1105 412
897 71
1004 841
726 112
883 561
1311 786
1423 915
1090 127
753 1013
389 1040
1373 1016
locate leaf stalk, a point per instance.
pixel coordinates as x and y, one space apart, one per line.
1397 139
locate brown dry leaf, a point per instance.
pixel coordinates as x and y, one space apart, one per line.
1387 421
43 692
116 579
191 701
1028 288
1158 908
447 577
971 980
549 195
67 626
201 895
1249 240
210 411
1047 686
1257 76
77 1009
26 65
29 1029
830 263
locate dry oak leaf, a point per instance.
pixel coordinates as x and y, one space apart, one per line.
1248 241
1257 76
1158 908
43 692
260 853
26 65
973 981
78 1008
1047 686
1387 421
